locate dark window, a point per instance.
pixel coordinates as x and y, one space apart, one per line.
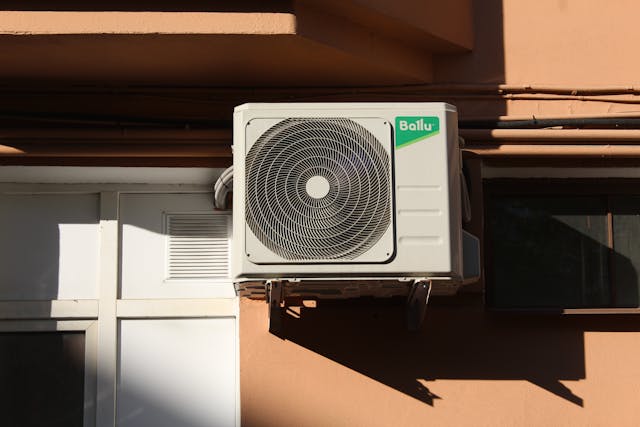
42 379
558 245
626 245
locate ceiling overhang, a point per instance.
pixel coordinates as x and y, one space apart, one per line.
243 44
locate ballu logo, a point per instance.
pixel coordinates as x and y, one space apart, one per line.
419 125
414 129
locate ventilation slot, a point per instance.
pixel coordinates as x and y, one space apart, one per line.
198 246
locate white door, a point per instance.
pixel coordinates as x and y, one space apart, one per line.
179 370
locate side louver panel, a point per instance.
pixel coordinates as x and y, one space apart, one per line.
198 246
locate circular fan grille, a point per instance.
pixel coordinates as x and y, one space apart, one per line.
318 189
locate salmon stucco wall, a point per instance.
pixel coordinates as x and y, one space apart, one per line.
569 44
354 364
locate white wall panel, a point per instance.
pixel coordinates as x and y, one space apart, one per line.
49 246
177 372
145 240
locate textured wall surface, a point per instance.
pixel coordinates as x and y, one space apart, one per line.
346 364
355 365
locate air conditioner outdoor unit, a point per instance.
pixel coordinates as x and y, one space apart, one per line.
331 194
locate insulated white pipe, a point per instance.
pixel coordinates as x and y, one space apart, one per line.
222 187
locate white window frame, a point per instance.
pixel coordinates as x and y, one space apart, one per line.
100 318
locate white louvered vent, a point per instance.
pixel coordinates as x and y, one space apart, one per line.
198 246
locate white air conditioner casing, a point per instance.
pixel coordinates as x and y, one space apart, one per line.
346 190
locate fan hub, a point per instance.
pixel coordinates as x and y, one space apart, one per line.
317 187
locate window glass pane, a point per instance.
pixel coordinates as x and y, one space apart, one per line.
42 379
626 242
549 252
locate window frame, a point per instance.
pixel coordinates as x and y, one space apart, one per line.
527 187
100 318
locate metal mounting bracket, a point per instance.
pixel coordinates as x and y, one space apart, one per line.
275 292
417 303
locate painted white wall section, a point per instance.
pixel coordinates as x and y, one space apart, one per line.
178 372
49 247
78 261
145 247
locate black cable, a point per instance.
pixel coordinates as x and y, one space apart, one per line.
195 123
578 123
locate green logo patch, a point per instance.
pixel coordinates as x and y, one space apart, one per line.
414 129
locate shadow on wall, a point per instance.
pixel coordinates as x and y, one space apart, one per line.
485 64
460 339
461 343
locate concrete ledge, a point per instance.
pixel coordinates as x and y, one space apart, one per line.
309 44
49 23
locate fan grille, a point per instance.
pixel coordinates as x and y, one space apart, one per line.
341 219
